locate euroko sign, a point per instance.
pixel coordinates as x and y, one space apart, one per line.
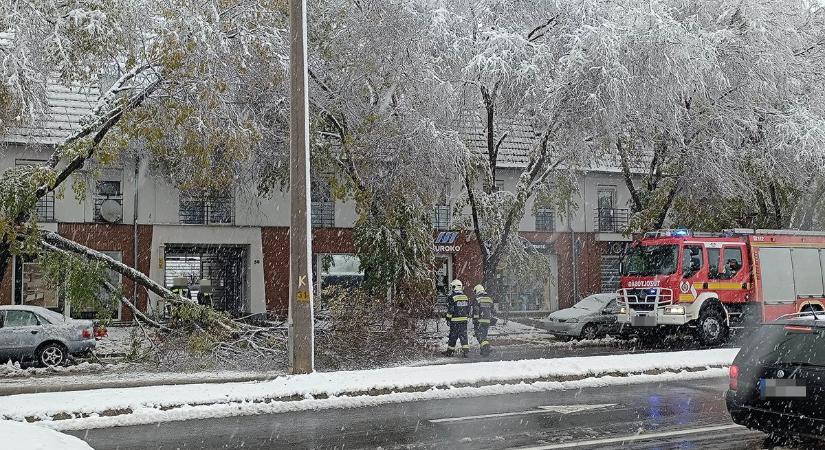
445 242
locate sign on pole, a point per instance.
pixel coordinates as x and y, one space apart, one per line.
301 333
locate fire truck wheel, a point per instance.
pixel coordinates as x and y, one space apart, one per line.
712 328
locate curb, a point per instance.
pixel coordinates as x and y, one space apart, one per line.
55 419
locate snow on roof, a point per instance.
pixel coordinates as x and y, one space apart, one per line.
515 149
66 106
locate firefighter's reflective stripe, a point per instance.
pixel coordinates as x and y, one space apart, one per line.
483 320
459 319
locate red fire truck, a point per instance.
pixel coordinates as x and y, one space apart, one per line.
714 282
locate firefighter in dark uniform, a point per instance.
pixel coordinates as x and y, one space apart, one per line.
458 313
483 316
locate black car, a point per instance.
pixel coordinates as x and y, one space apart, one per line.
777 381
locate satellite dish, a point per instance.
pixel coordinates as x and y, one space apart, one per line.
111 211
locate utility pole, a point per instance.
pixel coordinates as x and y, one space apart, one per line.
301 333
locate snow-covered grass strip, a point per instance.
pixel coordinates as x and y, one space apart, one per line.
377 382
144 416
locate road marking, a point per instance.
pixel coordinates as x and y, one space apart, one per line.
634 437
563 409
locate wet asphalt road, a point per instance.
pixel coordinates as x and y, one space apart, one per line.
661 416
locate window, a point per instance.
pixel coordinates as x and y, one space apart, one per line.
340 270
650 260
691 260
732 262
108 197
545 219
441 217
31 287
115 279
713 263
45 206
499 184
323 204
20 319
206 209
441 210
606 212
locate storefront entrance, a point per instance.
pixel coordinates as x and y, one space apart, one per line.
443 277
224 266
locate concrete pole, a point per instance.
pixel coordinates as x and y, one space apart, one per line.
301 333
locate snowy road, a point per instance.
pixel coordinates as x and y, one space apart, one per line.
675 415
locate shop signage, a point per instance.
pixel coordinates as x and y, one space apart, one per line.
445 242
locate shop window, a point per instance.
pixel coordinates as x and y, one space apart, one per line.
207 209
341 270
114 279
45 206
31 287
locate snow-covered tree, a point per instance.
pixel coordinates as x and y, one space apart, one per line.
378 108
198 88
711 97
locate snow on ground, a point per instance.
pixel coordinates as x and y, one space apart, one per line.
118 341
121 375
138 401
149 415
10 371
26 436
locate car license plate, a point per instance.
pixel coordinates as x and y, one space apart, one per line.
781 388
643 321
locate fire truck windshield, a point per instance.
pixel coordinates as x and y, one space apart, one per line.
650 260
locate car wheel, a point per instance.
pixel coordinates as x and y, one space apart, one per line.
52 354
712 328
589 332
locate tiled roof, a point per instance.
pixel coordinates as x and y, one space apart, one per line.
514 151
66 105
522 136
65 109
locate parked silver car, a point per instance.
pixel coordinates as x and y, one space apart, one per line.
592 317
32 332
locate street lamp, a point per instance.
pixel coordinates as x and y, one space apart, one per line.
301 333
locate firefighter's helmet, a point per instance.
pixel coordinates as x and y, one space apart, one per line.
479 289
457 285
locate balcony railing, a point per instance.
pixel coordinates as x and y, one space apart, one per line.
611 220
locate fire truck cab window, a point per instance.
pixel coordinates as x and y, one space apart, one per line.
650 260
732 261
713 263
691 260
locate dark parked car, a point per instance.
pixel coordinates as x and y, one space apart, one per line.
32 332
777 381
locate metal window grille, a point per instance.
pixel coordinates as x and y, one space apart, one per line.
323 214
206 210
45 206
610 220
224 266
545 219
441 217
107 190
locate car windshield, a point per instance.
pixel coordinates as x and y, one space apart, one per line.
592 303
650 260
787 344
